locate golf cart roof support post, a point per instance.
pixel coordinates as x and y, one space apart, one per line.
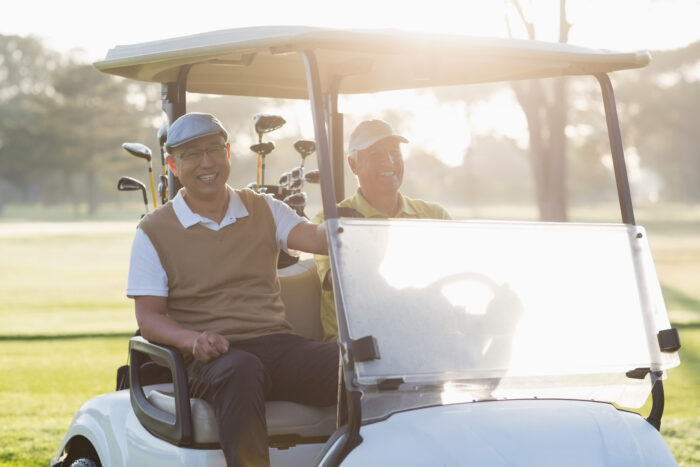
173 96
618 155
336 136
313 83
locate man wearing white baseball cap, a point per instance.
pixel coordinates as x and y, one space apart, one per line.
203 276
374 156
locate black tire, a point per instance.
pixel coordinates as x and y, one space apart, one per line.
84 462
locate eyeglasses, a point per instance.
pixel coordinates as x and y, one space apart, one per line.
195 157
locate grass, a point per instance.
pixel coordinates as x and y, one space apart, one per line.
65 322
43 383
680 425
57 283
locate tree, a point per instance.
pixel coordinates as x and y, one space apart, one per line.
25 74
62 124
545 108
658 105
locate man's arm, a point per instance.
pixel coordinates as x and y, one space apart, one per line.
309 237
157 326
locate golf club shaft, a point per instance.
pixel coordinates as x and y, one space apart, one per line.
162 166
262 177
153 188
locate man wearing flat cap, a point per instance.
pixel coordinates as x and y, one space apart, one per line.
374 156
203 275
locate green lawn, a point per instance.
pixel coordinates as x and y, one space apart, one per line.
43 383
65 322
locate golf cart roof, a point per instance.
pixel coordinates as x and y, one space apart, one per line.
262 61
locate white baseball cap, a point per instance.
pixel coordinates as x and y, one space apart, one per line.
371 131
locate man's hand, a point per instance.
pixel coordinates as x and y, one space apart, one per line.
209 345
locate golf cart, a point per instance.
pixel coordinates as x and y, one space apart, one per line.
465 342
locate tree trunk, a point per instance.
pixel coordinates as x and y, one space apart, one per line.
545 108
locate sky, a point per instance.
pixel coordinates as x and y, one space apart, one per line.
96 25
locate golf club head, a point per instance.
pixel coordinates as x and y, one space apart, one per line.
296 201
297 173
305 147
138 150
295 185
131 184
163 189
267 123
285 179
252 186
162 135
312 176
263 149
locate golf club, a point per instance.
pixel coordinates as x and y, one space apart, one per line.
144 152
284 180
131 184
162 137
163 189
296 201
305 148
262 150
267 123
312 176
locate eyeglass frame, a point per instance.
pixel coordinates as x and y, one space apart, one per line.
193 157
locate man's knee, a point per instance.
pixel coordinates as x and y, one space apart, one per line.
237 365
235 371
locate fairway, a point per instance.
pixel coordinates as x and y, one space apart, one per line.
66 323
56 281
43 383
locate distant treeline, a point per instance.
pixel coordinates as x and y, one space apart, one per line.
62 124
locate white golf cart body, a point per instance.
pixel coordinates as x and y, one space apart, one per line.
463 342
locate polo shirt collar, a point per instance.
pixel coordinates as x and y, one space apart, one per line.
236 210
362 205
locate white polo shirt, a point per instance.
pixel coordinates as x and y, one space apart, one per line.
146 274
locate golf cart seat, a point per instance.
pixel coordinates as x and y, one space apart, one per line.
163 409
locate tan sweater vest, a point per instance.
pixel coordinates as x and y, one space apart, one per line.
223 281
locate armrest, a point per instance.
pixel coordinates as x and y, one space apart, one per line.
174 429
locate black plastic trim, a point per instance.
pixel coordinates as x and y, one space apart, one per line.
365 349
176 429
638 373
390 384
669 340
657 405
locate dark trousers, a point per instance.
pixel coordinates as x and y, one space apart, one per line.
275 367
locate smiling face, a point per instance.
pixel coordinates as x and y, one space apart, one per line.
202 165
379 168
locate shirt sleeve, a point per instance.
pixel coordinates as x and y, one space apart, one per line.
285 219
146 274
443 214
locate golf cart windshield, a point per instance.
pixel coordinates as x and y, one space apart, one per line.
503 309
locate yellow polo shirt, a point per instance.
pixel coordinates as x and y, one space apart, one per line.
408 209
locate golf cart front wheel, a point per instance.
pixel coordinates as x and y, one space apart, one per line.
84 462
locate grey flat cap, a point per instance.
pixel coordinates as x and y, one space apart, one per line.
191 126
